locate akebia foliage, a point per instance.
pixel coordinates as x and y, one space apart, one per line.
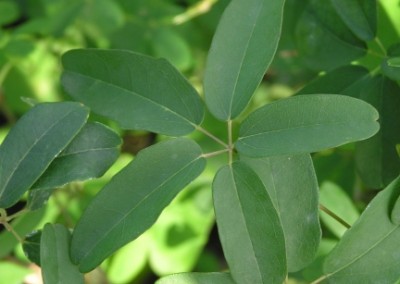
266 197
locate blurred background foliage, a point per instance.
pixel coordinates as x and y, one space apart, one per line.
35 33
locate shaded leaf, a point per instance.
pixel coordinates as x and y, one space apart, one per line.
376 158
197 278
291 181
359 16
94 149
391 65
305 124
132 201
320 25
33 143
395 214
137 91
249 226
370 247
242 49
347 80
9 12
31 246
54 255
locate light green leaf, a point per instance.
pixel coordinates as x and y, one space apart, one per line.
346 80
321 26
242 49
197 278
137 91
54 256
368 252
33 143
359 16
395 215
376 158
12 273
249 226
337 201
133 200
394 62
305 124
292 185
88 156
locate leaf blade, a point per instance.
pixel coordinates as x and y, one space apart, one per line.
306 124
126 87
236 63
239 195
197 278
31 145
156 175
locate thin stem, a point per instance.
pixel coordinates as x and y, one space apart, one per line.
380 44
213 154
230 144
196 10
319 280
19 213
4 222
334 216
216 139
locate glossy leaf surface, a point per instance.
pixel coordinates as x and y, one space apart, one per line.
89 155
242 49
197 278
249 227
132 201
33 143
55 261
370 246
305 124
137 91
292 185
376 158
359 16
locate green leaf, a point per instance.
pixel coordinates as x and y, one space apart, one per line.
395 215
31 246
242 49
305 124
359 16
321 26
368 252
33 143
394 62
337 201
376 158
390 68
249 226
197 278
137 91
9 12
292 185
346 80
133 200
89 155
55 261
12 273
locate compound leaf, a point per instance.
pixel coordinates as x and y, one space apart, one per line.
305 124
249 226
137 91
370 246
33 143
54 256
132 201
292 185
242 49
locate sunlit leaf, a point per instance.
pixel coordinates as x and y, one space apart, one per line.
394 62
137 91
89 155
132 201
54 256
242 49
369 251
197 278
359 16
33 143
249 226
305 124
290 181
